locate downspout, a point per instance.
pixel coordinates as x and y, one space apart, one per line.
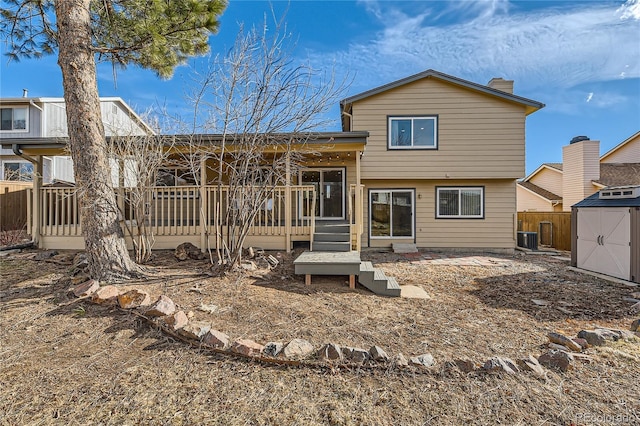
17 151
35 229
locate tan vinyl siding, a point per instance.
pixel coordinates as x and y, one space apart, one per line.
629 153
495 231
548 179
479 136
529 202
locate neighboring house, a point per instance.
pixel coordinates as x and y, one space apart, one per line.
558 186
42 119
430 159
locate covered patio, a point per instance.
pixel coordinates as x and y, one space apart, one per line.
324 184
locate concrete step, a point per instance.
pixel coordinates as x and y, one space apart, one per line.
331 237
331 246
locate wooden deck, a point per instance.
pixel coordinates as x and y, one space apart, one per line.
328 263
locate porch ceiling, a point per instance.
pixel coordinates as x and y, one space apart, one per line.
319 142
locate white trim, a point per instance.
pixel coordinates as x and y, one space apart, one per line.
413 214
433 118
460 189
542 166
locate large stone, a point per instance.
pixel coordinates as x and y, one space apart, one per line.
616 334
557 360
86 288
177 320
563 340
501 364
134 298
378 354
635 326
163 306
216 339
593 337
330 352
531 364
246 347
273 349
195 330
582 342
107 295
298 349
188 251
356 354
424 360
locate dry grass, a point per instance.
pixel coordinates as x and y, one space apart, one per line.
79 363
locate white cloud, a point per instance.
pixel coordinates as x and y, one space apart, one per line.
589 97
558 47
630 10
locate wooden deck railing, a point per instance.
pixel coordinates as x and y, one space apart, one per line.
182 210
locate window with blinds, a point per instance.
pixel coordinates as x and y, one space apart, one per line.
456 202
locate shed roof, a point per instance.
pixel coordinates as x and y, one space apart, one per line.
595 201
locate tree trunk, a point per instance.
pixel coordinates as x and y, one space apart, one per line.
104 238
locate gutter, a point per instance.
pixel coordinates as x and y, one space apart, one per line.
17 151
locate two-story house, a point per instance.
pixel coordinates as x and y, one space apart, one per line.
442 160
583 172
45 119
430 160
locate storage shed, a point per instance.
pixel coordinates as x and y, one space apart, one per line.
605 233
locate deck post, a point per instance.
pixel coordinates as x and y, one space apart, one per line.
352 282
307 279
287 204
204 207
37 205
359 201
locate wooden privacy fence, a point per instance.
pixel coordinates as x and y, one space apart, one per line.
553 228
14 204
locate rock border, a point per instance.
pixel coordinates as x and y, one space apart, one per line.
163 314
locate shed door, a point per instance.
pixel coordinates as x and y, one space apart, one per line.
603 245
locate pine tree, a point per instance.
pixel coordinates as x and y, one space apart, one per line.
154 34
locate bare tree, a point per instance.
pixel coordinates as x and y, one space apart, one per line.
265 107
139 160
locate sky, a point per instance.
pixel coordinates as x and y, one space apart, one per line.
580 58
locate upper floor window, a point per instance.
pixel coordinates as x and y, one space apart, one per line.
464 203
420 132
13 119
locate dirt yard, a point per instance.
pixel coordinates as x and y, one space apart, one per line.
67 361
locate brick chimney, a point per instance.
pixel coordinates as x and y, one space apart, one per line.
500 83
580 166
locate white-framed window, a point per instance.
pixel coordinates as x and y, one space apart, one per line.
21 171
391 213
460 202
14 119
419 132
